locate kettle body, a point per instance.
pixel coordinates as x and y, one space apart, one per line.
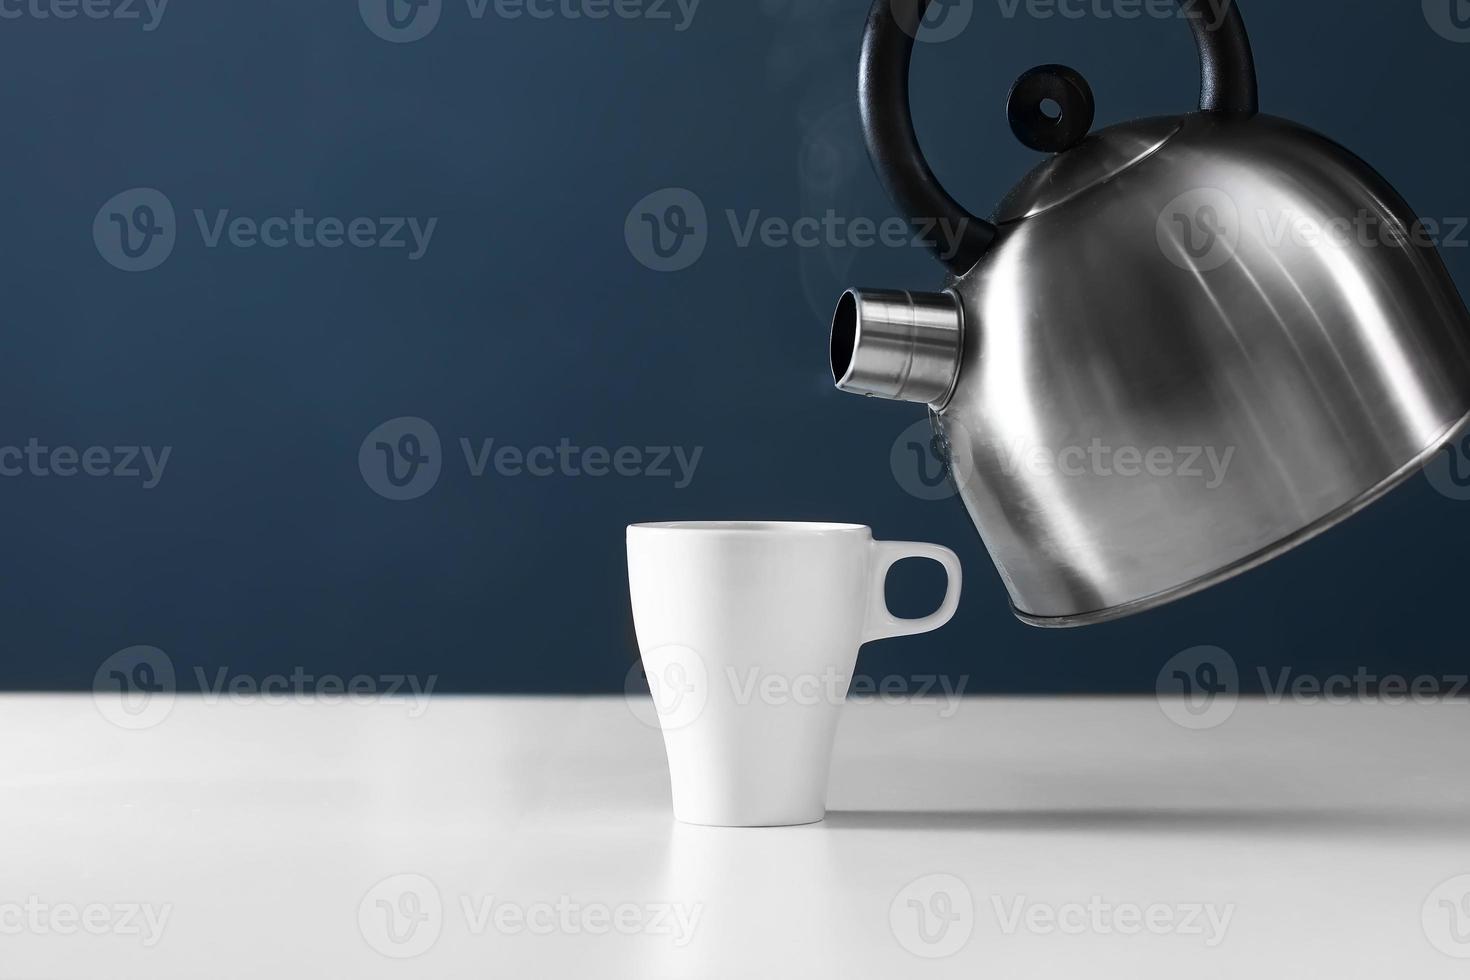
1183 346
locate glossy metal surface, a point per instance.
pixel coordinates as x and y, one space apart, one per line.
1182 369
897 344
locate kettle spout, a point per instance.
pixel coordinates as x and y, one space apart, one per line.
897 344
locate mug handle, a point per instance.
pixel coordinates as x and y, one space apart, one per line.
882 624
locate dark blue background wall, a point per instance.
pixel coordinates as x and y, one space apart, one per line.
529 319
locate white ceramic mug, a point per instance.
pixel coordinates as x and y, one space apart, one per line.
749 633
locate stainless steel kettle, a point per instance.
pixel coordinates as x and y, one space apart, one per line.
1223 285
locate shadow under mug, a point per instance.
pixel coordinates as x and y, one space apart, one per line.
749 634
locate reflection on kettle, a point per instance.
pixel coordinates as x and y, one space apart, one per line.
1224 280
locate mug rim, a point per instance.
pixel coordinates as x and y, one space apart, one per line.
750 527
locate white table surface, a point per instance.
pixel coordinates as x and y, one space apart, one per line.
274 840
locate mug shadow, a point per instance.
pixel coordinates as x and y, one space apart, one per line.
1314 821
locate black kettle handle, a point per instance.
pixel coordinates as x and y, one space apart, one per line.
1228 85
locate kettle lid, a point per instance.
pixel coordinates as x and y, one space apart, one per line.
1227 87
1095 160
